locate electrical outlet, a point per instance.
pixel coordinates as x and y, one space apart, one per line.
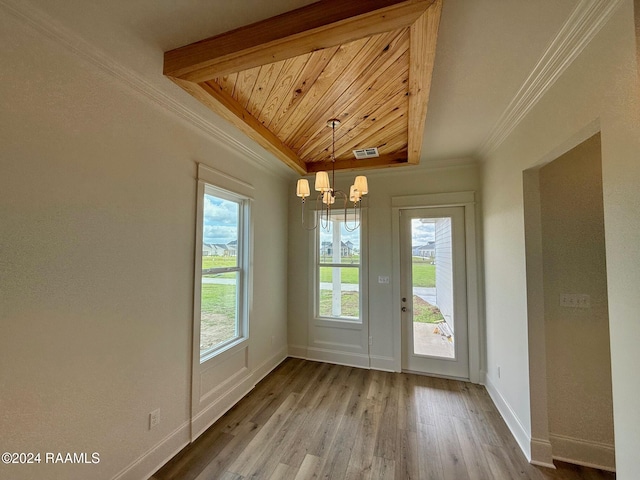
154 418
575 300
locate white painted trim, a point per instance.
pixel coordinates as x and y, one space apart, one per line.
298 351
338 357
581 27
474 329
212 413
474 314
510 417
218 407
583 452
452 199
52 29
223 180
147 463
380 362
270 364
541 453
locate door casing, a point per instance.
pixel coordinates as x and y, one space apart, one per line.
475 338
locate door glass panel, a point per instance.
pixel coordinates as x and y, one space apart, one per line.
432 287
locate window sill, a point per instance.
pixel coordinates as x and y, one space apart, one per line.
225 351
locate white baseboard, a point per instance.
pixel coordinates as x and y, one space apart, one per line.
583 452
266 367
166 449
373 362
212 413
145 465
234 394
510 417
386 364
541 453
339 358
298 351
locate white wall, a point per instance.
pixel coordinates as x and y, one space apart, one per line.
383 185
97 236
600 86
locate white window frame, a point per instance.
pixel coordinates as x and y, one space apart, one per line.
218 184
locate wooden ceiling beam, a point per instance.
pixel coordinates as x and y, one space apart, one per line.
214 97
383 161
319 25
424 36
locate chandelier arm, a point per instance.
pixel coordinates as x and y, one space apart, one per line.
356 217
303 224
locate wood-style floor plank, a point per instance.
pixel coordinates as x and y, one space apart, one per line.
310 420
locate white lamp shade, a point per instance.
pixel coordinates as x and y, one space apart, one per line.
354 195
302 189
361 185
322 182
327 198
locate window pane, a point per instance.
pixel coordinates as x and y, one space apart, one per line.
220 293
219 233
219 312
348 250
339 292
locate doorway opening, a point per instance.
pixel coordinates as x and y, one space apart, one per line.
569 352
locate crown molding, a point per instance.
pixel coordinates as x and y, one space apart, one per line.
581 27
53 30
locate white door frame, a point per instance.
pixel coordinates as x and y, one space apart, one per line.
456 199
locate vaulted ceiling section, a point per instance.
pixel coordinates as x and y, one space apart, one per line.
368 64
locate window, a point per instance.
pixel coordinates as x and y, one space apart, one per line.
223 270
338 271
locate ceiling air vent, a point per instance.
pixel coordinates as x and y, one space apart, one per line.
366 153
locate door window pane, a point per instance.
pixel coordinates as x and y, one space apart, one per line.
432 287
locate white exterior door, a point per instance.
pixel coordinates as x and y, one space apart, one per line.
433 290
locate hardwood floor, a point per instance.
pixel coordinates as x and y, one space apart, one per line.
316 420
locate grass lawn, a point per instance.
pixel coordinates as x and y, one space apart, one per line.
218 314
424 312
350 304
214 261
424 274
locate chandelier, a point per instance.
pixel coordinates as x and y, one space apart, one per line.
327 196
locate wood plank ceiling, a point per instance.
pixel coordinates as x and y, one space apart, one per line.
368 64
